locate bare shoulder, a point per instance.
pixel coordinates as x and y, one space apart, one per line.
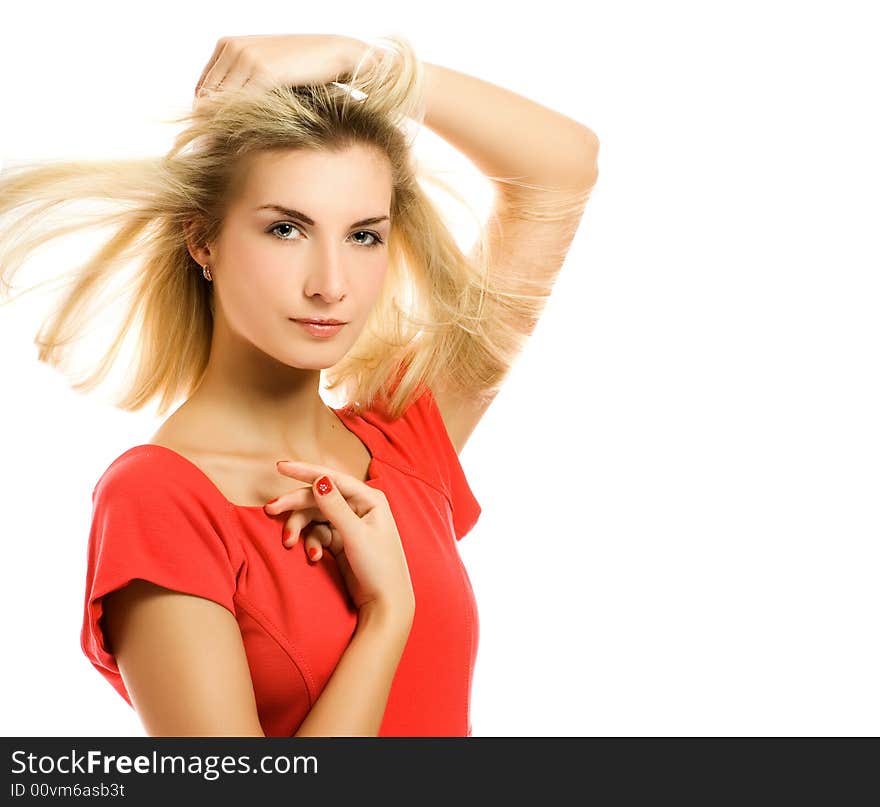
167 645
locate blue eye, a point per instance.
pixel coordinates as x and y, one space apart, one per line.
377 240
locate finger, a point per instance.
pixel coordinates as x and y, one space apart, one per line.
296 525
334 506
360 496
218 70
236 77
218 49
298 499
318 537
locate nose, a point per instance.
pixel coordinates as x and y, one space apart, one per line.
326 276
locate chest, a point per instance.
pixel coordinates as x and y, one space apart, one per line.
251 481
296 618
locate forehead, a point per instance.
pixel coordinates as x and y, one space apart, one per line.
358 172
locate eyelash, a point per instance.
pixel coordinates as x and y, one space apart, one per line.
377 239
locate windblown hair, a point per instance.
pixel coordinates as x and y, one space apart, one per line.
440 312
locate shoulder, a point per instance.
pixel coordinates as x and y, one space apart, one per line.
408 438
153 475
419 443
137 461
423 425
431 449
151 507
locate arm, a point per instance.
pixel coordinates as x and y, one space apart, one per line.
353 701
508 136
183 663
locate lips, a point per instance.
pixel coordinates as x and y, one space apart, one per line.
322 321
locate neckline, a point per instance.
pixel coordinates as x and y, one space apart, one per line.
343 419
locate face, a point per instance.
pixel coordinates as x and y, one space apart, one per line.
323 261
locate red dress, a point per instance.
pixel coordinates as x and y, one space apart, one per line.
157 516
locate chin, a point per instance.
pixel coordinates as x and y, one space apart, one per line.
314 357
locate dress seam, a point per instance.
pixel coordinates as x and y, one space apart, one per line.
278 636
272 632
410 471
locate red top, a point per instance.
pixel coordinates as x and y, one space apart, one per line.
158 517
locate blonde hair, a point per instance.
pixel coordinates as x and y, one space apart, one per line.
440 312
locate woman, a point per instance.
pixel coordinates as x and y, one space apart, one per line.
298 201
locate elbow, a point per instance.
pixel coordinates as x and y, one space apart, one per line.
590 160
580 169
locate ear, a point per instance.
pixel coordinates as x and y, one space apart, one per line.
199 253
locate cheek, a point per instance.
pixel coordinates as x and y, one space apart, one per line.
256 264
260 252
249 290
374 281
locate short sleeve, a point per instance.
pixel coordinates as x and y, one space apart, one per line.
151 520
465 507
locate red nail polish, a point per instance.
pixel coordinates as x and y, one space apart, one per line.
313 551
273 500
324 486
285 535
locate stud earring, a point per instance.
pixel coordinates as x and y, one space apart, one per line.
206 272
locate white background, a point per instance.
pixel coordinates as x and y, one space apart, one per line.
679 481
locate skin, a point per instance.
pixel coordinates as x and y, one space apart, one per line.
197 683
182 657
263 374
259 399
495 128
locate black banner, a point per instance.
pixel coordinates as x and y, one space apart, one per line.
555 770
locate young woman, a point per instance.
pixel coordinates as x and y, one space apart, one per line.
265 564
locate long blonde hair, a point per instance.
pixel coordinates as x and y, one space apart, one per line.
440 313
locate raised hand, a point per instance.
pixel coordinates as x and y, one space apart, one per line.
280 59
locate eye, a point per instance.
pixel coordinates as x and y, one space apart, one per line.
375 236
285 224
377 240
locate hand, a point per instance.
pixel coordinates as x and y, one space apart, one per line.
357 528
286 59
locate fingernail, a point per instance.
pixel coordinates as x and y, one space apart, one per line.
285 535
273 501
313 552
324 486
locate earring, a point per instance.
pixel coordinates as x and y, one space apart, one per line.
206 271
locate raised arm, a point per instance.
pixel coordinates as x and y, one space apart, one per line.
555 161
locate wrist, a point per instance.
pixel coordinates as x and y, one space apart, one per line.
353 51
383 618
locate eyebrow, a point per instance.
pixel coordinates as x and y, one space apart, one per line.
295 214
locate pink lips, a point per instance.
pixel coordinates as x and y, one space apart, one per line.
321 331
